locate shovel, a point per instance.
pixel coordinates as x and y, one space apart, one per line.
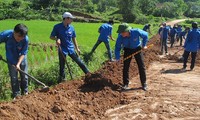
44 89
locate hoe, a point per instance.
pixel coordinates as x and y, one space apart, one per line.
44 89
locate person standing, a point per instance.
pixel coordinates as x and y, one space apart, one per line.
147 28
183 34
164 32
192 45
64 35
179 30
128 38
172 34
105 31
16 44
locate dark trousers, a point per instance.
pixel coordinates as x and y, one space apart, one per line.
181 40
139 59
186 55
75 57
172 40
164 44
107 44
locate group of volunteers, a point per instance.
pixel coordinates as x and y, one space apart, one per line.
128 40
191 44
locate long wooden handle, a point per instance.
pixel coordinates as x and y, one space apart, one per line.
151 45
24 73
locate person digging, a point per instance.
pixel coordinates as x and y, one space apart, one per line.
128 38
16 44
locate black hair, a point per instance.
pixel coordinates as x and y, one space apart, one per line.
66 18
111 22
21 29
194 25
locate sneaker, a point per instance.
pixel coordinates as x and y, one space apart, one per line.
144 87
183 69
125 87
112 60
130 83
166 53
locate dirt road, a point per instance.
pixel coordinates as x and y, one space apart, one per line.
172 94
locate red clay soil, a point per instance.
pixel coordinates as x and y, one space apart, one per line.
76 100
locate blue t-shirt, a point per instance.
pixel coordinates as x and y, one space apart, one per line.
14 49
164 32
131 42
105 31
65 34
173 32
192 42
179 30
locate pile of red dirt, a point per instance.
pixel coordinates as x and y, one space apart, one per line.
76 99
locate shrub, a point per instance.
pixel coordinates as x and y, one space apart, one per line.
141 19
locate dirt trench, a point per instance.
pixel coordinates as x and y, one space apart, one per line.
172 94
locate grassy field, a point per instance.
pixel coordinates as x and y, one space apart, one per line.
39 32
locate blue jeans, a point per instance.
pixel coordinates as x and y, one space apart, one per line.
62 60
107 44
15 84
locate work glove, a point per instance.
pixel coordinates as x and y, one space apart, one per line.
1 57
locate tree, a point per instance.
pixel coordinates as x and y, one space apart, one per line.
129 9
148 6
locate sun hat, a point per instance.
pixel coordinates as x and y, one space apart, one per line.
124 27
68 15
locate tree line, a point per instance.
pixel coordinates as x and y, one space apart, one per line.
122 10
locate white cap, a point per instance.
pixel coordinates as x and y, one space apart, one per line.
67 14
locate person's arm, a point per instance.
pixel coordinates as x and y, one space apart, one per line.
144 36
111 38
19 61
186 40
58 41
53 36
110 34
118 47
76 45
23 52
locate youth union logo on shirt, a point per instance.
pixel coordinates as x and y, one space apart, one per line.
69 33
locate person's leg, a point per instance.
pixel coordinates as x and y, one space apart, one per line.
165 45
185 56
181 40
172 41
194 54
162 44
142 71
95 46
14 81
62 58
126 66
109 50
79 62
24 78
